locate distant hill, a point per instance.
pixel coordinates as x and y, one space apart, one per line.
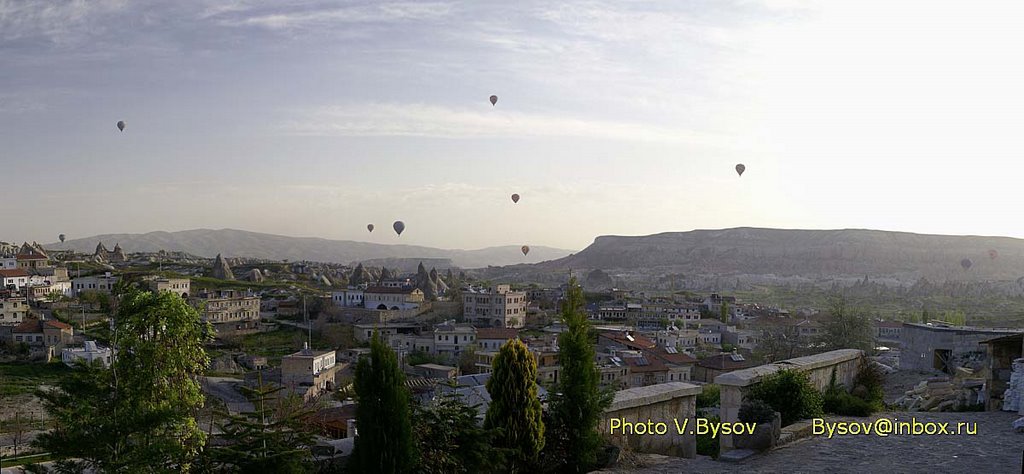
804 253
240 243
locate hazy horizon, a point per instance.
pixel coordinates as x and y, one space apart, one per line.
312 119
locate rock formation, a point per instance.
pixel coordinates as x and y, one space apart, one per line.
255 275
221 270
423 282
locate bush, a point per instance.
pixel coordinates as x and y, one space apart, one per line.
790 393
756 411
872 379
709 397
842 403
708 445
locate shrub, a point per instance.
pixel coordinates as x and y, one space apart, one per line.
790 393
872 379
707 445
756 411
845 404
709 397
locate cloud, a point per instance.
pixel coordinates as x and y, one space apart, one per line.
59 22
420 120
290 18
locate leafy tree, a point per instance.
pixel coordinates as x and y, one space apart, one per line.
467 361
780 343
138 416
578 401
449 439
384 442
723 312
790 393
515 409
848 328
273 438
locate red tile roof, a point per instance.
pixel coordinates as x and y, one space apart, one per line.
677 358
35 326
638 342
636 364
725 362
496 333
14 272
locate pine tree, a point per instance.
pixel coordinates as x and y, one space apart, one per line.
272 438
515 408
578 402
384 443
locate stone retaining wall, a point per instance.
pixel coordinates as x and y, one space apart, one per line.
662 403
735 385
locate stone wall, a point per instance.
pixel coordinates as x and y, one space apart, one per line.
920 343
735 385
664 403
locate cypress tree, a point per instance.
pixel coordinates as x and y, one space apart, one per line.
515 408
384 442
576 406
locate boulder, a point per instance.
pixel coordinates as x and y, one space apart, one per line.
1018 425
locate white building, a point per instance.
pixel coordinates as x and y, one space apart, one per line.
498 307
100 283
8 263
89 353
380 297
451 339
178 286
13 308
16 278
349 298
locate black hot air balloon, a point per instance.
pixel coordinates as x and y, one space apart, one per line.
966 263
494 99
526 249
740 169
369 227
515 198
399 226
120 125
62 237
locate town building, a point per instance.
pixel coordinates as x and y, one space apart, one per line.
498 307
88 353
944 348
348 298
385 298
230 311
364 332
47 336
8 262
888 330
13 308
681 339
491 339
436 371
95 283
15 278
451 339
32 256
710 367
178 286
309 373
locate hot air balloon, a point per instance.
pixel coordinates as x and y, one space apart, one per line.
993 254
369 227
399 227
526 249
740 169
120 125
494 99
966 263
515 198
62 237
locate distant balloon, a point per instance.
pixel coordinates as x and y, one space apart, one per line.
494 99
62 237
740 169
369 227
526 249
399 227
515 198
966 263
120 125
993 254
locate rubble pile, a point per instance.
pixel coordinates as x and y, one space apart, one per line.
943 393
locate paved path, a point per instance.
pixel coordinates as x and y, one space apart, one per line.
995 449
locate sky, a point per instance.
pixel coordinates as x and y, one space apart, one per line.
311 118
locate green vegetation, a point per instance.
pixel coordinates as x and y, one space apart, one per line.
866 399
709 396
847 328
756 411
20 379
278 343
273 438
449 440
515 409
385 441
708 445
790 393
139 416
573 439
419 357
